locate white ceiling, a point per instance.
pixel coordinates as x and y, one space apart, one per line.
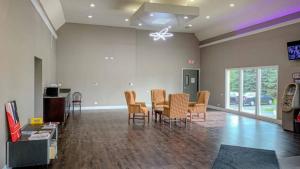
223 18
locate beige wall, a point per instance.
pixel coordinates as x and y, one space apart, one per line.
23 35
81 52
263 49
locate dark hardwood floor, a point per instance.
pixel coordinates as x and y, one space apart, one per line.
104 140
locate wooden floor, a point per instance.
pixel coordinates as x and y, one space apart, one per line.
104 140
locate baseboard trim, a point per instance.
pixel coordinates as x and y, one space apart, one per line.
104 107
5 167
246 114
117 107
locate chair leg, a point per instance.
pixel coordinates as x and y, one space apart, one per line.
73 108
190 117
170 124
148 116
133 117
80 107
204 116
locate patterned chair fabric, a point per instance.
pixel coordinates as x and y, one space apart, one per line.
158 98
201 105
178 106
132 106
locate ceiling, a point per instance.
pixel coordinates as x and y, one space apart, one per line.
223 17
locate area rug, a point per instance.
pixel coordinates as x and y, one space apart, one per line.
234 157
213 119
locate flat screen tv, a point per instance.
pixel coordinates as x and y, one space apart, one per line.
294 50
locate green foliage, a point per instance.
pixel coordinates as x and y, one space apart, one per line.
234 80
268 81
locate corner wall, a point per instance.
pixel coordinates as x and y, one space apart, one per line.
23 35
263 49
81 63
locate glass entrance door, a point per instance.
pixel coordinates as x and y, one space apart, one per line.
249 91
253 90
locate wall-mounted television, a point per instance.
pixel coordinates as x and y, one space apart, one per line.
294 50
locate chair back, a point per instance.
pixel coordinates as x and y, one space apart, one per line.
134 95
129 96
158 95
77 96
178 104
203 97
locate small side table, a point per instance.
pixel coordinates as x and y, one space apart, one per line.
158 112
28 153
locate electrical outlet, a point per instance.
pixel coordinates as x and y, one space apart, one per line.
95 84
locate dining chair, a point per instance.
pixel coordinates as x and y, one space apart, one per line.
158 99
76 100
136 110
177 108
199 107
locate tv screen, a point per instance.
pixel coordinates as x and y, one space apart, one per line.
294 50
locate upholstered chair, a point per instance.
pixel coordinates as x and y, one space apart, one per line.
158 99
135 110
200 106
177 107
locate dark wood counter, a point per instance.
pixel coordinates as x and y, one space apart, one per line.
57 109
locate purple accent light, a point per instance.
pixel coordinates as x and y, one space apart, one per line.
278 14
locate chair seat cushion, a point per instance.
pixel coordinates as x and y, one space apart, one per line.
144 110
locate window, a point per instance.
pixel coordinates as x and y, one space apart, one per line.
234 89
249 90
268 92
243 85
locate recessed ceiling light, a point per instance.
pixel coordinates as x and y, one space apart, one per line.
192 0
232 5
92 5
140 24
207 17
186 17
90 16
151 14
190 25
126 20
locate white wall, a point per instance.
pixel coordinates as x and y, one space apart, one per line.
23 35
81 52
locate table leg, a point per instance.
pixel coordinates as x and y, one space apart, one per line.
160 117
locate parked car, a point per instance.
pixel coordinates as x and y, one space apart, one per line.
249 99
234 98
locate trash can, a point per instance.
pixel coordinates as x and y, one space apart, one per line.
297 126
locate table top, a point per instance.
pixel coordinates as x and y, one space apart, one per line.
32 128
